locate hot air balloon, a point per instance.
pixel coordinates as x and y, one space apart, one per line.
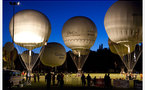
53 55
31 29
79 33
123 24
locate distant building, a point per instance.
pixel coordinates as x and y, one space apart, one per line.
101 47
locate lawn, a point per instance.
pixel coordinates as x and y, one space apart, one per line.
71 81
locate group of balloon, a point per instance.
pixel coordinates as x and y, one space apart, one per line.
31 29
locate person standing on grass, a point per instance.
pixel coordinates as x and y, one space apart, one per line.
53 79
83 80
61 80
48 79
94 80
88 80
34 77
105 80
38 77
108 81
58 79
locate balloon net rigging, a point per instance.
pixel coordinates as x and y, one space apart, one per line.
129 59
79 60
27 57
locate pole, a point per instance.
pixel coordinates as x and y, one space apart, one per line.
13 22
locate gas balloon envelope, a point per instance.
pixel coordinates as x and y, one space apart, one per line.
31 29
53 54
123 24
79 33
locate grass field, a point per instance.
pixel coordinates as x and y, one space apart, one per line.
75 79
71 82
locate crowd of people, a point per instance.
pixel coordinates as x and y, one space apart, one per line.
51 77
57 79
93 81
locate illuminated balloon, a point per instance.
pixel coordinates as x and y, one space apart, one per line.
29 63
123 22
9 46
79 33
53 55
119 48
31 29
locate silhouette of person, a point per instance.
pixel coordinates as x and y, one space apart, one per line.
38 77
58 79
53 79
48 79
83 80
108 81
61 80
94 80
105 80
34 77
88 80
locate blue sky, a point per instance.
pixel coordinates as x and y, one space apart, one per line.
58 12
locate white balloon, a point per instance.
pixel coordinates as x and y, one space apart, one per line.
123 22
53 54
31 29
79 33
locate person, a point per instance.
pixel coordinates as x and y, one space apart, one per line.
58 79
130 77
61 80
105 80
83 80
88 80
94 80
108 81
48 79
38 77
53 79
28 77
34 77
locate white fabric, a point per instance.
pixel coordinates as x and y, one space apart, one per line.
79 33
31 29
123 22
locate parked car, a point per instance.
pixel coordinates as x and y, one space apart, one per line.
12 78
